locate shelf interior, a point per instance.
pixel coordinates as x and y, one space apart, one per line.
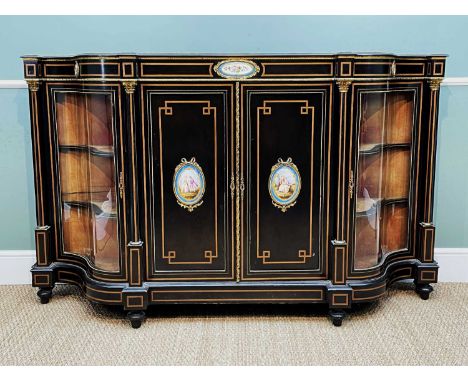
383 175
87 177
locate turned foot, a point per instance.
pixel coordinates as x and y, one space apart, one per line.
44 294
337 316
424 290
136 318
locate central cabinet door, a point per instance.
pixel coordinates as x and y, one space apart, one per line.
188 159
284 162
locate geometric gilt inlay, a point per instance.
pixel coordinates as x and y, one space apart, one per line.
209 255
302 254
284 183
188 184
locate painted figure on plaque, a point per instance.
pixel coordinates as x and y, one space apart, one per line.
284 184
189 184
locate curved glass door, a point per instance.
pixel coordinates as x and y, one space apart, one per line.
383 175
87 177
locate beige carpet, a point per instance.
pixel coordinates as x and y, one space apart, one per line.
401 329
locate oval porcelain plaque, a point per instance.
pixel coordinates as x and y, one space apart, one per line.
237 69
189 184
284 184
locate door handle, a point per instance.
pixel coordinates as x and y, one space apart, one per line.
351 184
121 185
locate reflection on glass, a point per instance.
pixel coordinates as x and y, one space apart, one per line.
383 175
87 177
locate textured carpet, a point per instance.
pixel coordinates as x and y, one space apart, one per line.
401 329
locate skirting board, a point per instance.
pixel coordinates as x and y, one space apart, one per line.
15 265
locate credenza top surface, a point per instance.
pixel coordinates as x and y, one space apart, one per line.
234 66
221 56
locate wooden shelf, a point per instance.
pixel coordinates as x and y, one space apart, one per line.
363 205
375 148
102 151
95 206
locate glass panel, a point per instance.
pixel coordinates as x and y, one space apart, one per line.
383 175
87 177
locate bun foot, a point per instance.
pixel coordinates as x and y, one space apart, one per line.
424 290
337 316
44 294
136 318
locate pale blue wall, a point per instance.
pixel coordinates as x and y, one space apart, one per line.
253 34
451 188
17 216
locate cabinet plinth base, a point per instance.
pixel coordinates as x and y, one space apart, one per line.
337 316
136 318
135 300
44 294
424 290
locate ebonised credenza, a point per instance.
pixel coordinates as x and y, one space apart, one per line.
234 179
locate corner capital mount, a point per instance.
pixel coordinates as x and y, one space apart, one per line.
343 85
129 86
33 85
